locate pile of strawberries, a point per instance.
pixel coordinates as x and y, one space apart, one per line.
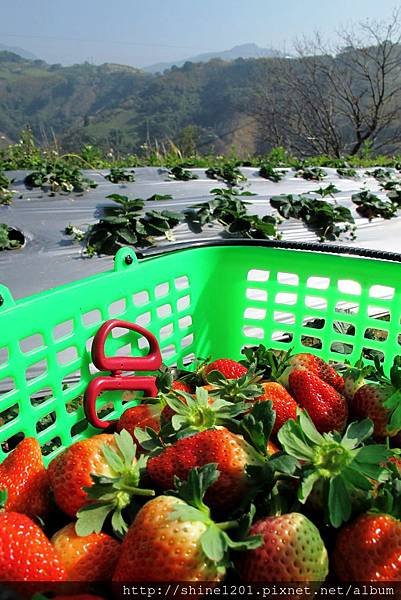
262 470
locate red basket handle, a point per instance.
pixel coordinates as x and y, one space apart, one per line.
117 365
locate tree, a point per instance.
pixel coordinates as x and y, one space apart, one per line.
335 100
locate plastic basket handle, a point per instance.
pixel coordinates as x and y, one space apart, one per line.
117 366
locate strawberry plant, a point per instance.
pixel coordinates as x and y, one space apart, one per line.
10 239
120 175
125 225
58 176
6 195
228 172
180 174
267 171
329 190
370 206
327 220
230 211
310 173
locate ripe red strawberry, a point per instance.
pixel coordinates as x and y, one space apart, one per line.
181 386
142 416
326 407
317 366
283 403
91 557
73 473
369 402
25 478
25 552
229 451
176 540
369 549
292 550
231 369
159 547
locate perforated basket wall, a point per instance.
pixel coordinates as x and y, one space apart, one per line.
209 301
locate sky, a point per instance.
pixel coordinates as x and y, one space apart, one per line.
143 32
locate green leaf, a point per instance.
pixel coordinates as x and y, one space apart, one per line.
214 544
3 497
291 438
113 459
257 425
356 433
90 519
118 523
307 486
184 512
309 429
198 481
126 446
339 502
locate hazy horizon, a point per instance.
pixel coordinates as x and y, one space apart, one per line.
139 34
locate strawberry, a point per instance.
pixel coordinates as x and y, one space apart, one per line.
181 386
86 558
326 407
333 467
175 539
369 549
369 401
231 369
354 377
292 550
381 400
143 415
229 451
232 452
24 477
317 366
25 552
107 461
284 404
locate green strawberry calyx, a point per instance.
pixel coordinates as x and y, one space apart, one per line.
3 498
242 389
342 463
270 363
214 541
193 414
110 495
393 391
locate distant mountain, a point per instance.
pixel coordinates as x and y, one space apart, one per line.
242 51
20 51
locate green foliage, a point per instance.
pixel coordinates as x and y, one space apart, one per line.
229 210
180 174
120 175
6 195
228 172
269 172
346 172
59 176
10 239
310 173
370 206
123 224
329 221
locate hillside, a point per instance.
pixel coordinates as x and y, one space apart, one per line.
311 105
241 51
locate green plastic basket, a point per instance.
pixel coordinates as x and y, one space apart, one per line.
201 301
